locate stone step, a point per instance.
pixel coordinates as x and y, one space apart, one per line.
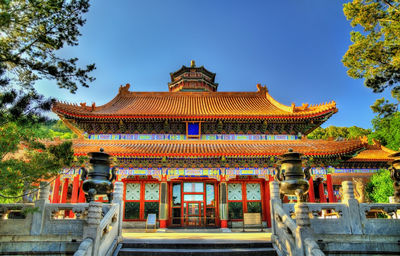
197 252
196 248
195 245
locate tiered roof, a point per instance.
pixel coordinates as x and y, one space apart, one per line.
201 148
192 79
195 106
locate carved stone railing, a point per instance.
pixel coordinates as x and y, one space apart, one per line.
105 232
285 231
291 236
56 222
338 222
108 230
97 226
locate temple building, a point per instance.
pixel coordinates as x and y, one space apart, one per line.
197 157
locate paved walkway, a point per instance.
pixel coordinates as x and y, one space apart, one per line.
202 236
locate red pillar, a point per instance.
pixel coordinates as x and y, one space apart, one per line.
56 191
268 200
64 191
75 189
311 193
329 185
321 190
81 198
64 195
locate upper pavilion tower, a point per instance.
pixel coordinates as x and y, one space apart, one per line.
192 79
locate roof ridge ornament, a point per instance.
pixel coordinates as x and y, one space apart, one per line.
124 89
262 89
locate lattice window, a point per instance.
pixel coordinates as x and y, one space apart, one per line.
253 191
235 191
151 191
132 191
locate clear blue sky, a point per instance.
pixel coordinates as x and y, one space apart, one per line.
294 47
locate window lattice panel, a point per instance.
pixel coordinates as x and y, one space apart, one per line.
253 191
132 191
235 191
151 191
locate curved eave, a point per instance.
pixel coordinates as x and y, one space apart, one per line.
228 154
194 117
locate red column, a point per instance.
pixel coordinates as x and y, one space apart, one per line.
81 198
64 195
64 191
75 189
223 202
321 190
268 200
56 191
330 188
311 193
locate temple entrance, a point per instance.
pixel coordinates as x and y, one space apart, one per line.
193 214
193 204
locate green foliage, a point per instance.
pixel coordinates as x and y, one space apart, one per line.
380 187
375 52
31 34
32 31
338 132
25 161
387 130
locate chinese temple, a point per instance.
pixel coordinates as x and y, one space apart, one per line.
197 157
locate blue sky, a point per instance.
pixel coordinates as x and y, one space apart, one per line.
294 47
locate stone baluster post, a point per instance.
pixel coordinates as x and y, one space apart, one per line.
275 199
303 229
39 216
92 223
118 199
353 217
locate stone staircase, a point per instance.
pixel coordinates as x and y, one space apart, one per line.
195 248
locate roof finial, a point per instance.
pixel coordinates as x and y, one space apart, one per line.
192 64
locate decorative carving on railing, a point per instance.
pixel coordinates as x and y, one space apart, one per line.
319 210
15 211
373 211
62 211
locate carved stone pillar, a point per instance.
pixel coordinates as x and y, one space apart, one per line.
348 190
44 191
275 199
92 223
302 215
118 199
274 188
38 216
303 229
354 217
